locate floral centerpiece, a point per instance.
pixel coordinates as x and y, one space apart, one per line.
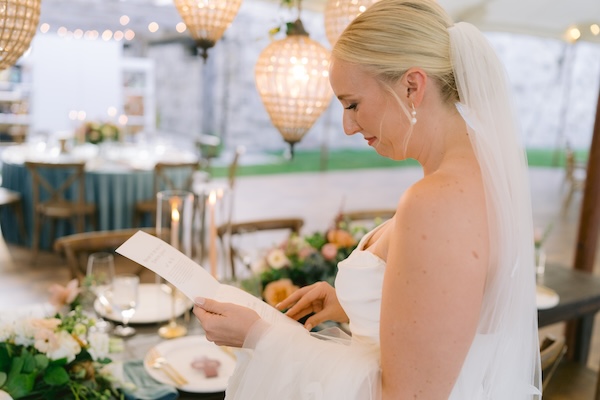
304 260
56 357
98 132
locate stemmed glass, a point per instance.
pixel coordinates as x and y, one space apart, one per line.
124 300
100 274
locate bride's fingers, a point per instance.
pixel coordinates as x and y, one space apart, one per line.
293 298
306 305
297 314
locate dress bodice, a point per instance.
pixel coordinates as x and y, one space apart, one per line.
358 284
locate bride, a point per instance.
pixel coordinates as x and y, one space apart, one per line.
440 299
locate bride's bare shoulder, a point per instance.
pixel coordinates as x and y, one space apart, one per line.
443 199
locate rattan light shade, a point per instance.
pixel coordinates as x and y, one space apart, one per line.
18 23
292 77
207 20
339 13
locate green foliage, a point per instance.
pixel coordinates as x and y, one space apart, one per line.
28 373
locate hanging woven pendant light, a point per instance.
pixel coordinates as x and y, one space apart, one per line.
292 77
207 20
339 13
18 23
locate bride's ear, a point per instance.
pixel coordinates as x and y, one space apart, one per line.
415 81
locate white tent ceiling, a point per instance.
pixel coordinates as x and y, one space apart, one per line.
549 18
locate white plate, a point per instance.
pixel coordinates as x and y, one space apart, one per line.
545 297
154 305
181 352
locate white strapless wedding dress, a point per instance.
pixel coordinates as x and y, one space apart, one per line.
288 363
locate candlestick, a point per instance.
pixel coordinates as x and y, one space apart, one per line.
212 247
174 225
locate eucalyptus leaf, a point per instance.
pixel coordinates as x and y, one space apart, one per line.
20 385
56 375
3 378
5 358
41 361
28 363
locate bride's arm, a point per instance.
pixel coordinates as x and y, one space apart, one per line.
433 288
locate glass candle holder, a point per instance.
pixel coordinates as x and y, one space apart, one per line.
214 215
174 223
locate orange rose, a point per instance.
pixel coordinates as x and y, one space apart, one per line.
341 238
277 291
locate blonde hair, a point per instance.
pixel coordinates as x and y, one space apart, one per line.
392 36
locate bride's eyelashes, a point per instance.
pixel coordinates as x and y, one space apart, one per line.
351 107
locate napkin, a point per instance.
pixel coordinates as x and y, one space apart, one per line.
146 387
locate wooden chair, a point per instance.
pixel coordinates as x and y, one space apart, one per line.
13 199
163 181
365 220
552 351
563 379
254 227
364 215
56 197
79 246
575 176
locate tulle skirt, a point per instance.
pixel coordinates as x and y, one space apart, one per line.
288 363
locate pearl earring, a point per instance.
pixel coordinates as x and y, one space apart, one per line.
413 113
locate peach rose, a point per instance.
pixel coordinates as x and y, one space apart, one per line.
277 291
341 238
329 251
60 296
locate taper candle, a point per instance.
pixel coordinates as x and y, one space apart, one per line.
212 249
174 224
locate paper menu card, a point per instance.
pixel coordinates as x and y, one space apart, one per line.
189 277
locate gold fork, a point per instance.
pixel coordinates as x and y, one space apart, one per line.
159 362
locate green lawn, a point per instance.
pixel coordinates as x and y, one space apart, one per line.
312 161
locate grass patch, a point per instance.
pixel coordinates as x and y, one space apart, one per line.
347 159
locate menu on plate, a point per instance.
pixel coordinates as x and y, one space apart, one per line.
190 278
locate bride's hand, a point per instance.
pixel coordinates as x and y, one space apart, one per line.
225 324
319 298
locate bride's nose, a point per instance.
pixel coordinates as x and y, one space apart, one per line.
351 127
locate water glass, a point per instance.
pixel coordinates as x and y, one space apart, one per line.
124 300
99 275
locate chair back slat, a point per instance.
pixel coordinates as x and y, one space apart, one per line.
58 192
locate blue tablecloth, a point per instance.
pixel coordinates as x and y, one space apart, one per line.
114 193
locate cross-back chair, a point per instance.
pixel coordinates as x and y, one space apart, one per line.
58 193
235 253
13 199
563 379
164 179
363 215
77 248
366 219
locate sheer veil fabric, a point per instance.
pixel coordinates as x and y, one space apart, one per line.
503 361
511 370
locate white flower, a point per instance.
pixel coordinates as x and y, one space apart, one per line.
67 348
6 331
24 332
277 259
99 345
259 265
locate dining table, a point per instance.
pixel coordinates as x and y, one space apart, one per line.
117 175
578 300
138 346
